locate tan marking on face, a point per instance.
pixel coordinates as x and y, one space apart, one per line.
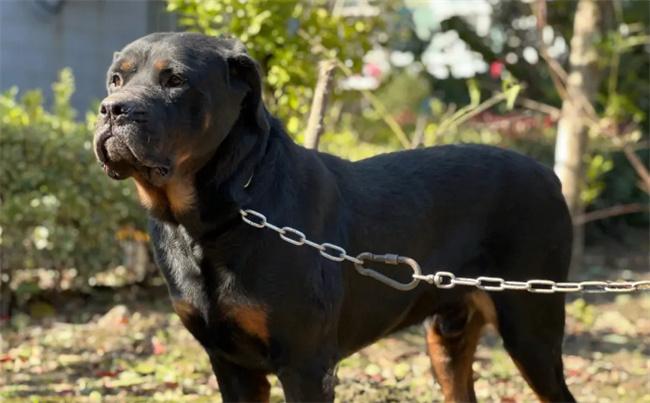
252 319
161 64
126 65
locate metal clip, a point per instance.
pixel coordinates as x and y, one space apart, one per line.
393 260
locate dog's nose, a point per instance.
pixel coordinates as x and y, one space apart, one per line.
115 108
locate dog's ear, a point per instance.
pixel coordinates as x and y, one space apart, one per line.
244 75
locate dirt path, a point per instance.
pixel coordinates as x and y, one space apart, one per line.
143 353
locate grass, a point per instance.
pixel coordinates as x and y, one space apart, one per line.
140 352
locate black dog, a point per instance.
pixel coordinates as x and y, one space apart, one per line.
185 119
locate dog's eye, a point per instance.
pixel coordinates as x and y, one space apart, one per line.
116 80
174 81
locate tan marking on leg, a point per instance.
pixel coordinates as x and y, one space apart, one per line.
252 319
452 357
440 361
482 302
451 360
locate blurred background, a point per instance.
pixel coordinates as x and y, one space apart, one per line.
567 82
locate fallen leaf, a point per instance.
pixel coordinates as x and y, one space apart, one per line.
111 374
145 368
373 369
401 370
615 339
158 347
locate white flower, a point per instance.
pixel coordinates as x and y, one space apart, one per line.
40 237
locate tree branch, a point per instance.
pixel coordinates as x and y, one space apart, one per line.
610 212
319 103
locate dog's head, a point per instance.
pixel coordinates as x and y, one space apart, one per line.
172 100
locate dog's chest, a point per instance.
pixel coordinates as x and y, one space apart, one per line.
206 298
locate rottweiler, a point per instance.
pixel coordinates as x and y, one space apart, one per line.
184 117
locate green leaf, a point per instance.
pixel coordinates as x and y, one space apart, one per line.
145 368
474 91
512 96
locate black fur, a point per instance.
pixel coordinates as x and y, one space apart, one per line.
470 209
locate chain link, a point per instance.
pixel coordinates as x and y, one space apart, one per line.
441 279
295 237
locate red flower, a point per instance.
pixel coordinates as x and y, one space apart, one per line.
496 68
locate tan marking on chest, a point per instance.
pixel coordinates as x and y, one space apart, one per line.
178 194
151 197
253 319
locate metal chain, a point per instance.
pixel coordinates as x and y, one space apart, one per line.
445 279
441 279
295 237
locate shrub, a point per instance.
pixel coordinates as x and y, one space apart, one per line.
57 208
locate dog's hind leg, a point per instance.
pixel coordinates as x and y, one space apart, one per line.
452 335
532 328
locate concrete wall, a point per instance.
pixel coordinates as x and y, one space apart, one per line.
40 37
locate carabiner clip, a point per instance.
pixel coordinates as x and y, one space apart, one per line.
393 260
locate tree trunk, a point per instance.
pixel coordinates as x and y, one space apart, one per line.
319 103
581 88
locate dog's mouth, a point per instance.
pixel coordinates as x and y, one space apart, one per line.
121 160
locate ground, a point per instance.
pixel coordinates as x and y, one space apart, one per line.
139 351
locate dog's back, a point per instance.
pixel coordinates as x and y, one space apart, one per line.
474 211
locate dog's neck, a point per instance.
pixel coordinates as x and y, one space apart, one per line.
223 185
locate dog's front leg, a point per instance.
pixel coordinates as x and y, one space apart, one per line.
238 384
312 382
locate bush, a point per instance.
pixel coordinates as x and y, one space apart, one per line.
275 34
57 208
